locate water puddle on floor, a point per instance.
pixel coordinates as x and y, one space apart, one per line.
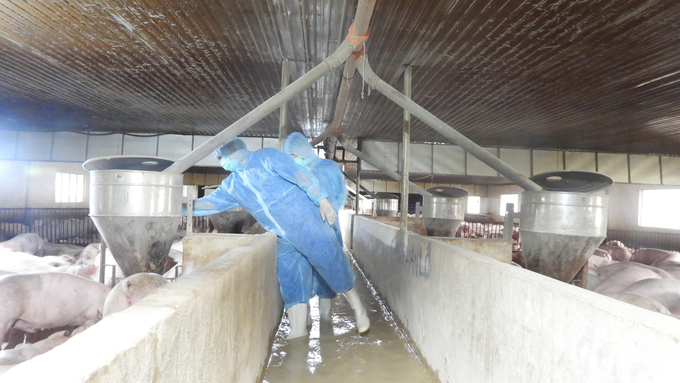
334 352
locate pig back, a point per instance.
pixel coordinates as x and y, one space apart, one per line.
53 299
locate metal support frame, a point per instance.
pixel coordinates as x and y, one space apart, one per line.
378 164
283 114
406 151
358 182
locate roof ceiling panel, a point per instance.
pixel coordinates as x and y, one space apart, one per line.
583 75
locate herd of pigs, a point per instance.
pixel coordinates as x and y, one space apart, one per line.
50 292
648 278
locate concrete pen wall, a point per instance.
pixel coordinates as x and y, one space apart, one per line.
475 319
212 325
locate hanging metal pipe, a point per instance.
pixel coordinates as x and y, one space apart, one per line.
283 113
406 151
333 61
373 161
357 183
364 13
444 129
354 41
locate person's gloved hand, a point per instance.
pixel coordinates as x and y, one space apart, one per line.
327 212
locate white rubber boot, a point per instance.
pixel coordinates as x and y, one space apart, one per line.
325 308
297 316
360 315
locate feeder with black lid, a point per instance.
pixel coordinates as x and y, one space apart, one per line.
561 225
444 210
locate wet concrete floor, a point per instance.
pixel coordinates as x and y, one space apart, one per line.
334 352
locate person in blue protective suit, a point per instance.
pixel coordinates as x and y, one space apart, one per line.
330 176
287 200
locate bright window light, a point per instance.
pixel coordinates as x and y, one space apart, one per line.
509 198
474 204
69 188
660 208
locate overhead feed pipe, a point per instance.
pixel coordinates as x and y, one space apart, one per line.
360 29
352 42
440 126
283 114
373 161
357 183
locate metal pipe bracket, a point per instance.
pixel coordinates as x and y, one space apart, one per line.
356 40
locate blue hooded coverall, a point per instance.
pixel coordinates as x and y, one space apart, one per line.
330 176
283 197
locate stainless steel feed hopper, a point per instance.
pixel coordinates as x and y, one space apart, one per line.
560 230
386 205
444 211
136 209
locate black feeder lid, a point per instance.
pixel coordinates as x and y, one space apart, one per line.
152 164
572 181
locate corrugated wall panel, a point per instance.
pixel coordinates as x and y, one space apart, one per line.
613 165
174 147
645 169
69 147
448 159
476 167
421 158
547 161
518 159
386 152
104 145
580 161
210 159
8 144
140 146
670 167
34 146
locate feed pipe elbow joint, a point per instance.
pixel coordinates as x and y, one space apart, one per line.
357 41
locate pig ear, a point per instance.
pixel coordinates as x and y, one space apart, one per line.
126 286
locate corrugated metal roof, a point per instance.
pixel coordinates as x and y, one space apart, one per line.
568 74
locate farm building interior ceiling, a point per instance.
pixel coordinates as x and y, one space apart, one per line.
597 75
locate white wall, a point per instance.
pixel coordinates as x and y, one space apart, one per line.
31 184
475 319
78 147
451 159
624 204
494 200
